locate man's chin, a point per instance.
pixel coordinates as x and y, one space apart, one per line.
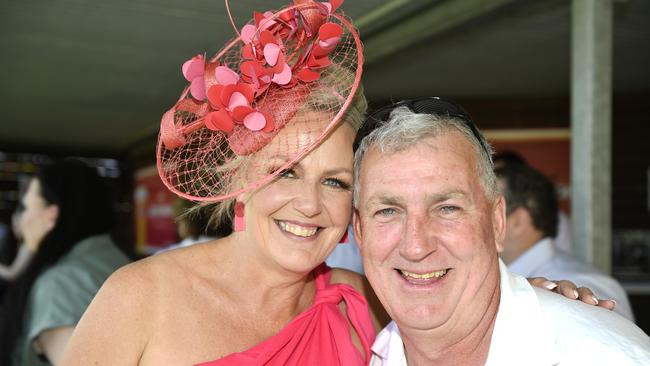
419 317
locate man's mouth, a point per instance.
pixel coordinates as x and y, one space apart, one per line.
424 278
297 230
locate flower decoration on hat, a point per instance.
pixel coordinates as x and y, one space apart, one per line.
232 95
239 99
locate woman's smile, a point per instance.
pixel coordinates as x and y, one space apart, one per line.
301 230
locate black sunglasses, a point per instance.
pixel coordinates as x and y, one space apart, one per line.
430 105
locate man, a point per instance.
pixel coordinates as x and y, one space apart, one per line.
563 238
430 222
531 226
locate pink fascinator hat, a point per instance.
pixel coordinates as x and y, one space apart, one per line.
277 89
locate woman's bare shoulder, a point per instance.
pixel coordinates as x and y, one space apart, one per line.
340 275
120 317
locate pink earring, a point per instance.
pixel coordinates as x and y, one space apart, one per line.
239 224
344 238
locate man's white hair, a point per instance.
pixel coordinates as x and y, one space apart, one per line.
404 129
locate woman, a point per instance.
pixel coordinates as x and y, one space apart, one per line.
67 214
260 295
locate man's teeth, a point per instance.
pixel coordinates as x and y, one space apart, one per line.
424 276
297 230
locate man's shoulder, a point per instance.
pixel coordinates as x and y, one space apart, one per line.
577 327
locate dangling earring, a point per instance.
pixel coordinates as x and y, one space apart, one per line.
344 238
239 224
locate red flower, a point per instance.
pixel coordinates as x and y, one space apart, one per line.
231 96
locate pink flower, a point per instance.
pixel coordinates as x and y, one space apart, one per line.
231 96
193 70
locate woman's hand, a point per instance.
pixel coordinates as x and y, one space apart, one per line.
569 290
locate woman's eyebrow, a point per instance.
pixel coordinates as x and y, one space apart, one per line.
336 171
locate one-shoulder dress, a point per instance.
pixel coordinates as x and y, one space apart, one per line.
320 335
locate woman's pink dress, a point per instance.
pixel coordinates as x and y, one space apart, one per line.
320 335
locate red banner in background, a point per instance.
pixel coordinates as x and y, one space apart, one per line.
155 227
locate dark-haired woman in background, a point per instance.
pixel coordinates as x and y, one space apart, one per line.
66 219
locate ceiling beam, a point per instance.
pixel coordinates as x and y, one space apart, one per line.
420 23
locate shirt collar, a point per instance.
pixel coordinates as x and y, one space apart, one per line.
389 347
520 332
527 263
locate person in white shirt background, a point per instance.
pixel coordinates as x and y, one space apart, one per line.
531 228
430 223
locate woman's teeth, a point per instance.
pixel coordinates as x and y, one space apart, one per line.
297 230
424 276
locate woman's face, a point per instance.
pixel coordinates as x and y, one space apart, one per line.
38 217
298 219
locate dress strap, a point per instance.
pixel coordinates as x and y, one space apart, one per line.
322 274
320 335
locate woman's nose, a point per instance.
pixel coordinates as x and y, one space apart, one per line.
308 200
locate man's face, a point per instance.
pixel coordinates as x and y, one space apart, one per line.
428 234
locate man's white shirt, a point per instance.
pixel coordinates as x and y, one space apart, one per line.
537 327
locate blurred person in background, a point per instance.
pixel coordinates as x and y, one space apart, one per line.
193 226
23 254
531 226
563 238
66 220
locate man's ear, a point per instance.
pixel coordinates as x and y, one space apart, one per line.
356 225
499 222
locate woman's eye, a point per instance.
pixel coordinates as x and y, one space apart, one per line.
336 183
288 173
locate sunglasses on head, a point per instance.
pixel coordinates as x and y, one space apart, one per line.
430 105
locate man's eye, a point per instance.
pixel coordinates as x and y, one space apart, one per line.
448 210
389 211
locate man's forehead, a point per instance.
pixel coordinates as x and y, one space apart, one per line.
429 160
420 156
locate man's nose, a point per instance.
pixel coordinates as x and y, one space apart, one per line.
308 200
417 241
